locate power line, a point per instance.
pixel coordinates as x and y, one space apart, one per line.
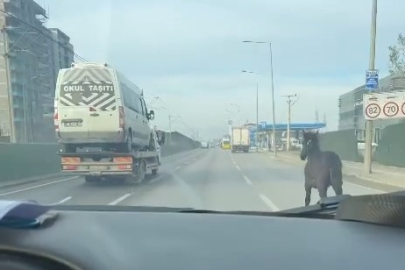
45 35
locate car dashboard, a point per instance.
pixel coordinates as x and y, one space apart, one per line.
121 240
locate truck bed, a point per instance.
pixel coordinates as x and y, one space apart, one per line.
107 163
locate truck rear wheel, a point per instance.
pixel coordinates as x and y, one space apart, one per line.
140 172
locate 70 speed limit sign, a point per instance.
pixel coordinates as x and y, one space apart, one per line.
384 105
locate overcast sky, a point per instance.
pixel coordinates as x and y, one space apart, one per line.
190 54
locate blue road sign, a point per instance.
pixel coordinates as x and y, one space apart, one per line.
372 79
263 124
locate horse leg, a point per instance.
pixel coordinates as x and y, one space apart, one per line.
322 187
308 188
337 182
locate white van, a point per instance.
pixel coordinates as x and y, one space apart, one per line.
95 106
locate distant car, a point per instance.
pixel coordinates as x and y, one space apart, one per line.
204 145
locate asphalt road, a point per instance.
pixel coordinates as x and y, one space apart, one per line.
212 179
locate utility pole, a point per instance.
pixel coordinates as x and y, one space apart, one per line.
368 152
316 116
290 103
13 138
170 130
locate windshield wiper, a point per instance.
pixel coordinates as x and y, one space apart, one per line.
153 209
326 206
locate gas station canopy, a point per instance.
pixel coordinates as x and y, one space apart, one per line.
293 126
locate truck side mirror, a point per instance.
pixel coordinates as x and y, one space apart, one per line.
151 115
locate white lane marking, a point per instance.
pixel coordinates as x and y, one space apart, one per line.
237 167
269 203
178 167
247 180
120 199
156 179
64 200
38 186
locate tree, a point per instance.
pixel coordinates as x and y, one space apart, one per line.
397 56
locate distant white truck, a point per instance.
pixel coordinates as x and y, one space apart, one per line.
204 145
240 140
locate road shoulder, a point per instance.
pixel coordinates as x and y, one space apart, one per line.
380 180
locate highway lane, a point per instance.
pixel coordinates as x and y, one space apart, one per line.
207 179
74 190
282 183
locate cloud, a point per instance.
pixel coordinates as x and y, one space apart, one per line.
190 54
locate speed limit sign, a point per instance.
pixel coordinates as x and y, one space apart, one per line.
384 105
373 110
391 109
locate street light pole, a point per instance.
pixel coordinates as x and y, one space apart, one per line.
368 150
273 102
272 91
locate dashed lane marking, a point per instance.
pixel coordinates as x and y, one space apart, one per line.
38 186
120 199
247 180
269 203
64 200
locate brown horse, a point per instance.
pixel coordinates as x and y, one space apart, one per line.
323 168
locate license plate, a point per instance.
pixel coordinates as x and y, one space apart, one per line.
73 124
97 168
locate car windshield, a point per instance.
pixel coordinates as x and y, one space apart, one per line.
217 105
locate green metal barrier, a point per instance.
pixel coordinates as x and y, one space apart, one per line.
391 148
342 142
18 161
28 160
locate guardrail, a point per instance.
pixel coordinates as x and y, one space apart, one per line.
18 161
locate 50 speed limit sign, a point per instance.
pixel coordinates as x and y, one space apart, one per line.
373 110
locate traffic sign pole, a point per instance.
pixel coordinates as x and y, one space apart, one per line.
368 152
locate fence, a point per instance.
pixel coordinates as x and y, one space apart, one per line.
342 142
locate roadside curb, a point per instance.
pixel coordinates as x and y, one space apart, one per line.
290 160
